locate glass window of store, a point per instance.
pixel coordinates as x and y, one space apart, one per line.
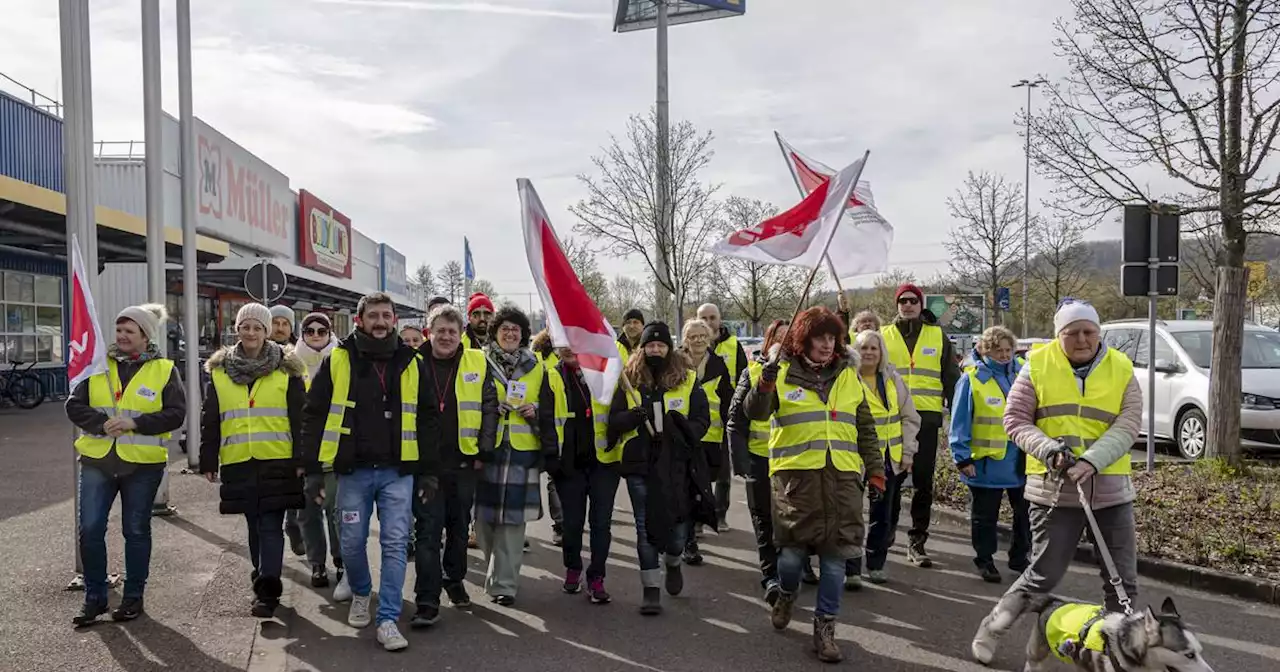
31 306
206 318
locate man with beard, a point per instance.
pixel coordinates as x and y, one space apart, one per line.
372 413
479 315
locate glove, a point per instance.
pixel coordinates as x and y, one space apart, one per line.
769 373
877 486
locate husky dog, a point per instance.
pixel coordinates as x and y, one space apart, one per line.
1092 640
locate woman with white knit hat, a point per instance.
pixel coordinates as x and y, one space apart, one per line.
127 415
1075 409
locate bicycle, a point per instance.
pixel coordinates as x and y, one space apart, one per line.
21 386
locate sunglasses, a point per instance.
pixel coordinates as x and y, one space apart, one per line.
316 332
908 301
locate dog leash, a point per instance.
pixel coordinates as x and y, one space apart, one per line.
1109 563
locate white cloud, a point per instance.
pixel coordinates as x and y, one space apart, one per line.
476 7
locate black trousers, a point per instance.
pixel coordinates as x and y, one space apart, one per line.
760 506
926 461
984 517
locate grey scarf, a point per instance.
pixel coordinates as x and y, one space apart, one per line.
512 365
152 352
244 370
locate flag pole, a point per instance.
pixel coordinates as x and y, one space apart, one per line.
800 188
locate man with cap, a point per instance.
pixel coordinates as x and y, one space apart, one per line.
925 358
282 325
1075 409
127 415
479 315
632 327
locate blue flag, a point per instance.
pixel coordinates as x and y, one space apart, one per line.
468 265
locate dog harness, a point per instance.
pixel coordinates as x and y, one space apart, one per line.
1073 628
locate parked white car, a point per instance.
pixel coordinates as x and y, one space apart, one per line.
1182 354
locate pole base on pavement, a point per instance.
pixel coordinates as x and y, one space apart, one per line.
164 510
77 584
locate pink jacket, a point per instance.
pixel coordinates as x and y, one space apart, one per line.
1115 444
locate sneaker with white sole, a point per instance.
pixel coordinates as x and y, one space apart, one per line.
342 591
358 616
390 638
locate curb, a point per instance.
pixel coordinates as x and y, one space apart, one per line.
1177 573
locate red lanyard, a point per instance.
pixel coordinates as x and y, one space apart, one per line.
382 378
253 391
577 385
442 391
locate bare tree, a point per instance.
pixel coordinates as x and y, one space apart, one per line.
1059 258
625 293
986 242
758 292
1185 92
451 281
621 207
583 261
426 278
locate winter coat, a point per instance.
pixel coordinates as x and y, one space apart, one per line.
675 465
1102 490
910 416
717 369
737 426
820 508
1010 472
910 330
255 486
437 370
578 452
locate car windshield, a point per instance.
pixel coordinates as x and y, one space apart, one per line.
1261 348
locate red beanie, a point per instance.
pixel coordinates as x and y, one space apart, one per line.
478 300
908 288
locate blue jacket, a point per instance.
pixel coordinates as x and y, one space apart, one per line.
1009 472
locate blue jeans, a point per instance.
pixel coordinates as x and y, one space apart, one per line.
357 494
588 494
672 547
266 542
98 491
830 581
447 514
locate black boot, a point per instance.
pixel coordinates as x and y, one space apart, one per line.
319 576
651 602
129 609
89 613
266 591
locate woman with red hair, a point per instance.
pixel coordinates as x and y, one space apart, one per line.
822 440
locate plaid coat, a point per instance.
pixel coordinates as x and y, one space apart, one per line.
509 491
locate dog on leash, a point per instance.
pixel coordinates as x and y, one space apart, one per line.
1092 640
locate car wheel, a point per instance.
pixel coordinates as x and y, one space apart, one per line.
1192 434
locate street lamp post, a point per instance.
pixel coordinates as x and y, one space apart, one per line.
1026 199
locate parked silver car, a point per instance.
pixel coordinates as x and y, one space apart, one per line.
1183 349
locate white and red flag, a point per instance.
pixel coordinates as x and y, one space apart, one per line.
88 352
862 246
802 235
573 318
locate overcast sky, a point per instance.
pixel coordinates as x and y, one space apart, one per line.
415 118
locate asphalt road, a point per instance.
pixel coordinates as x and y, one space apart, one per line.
198 601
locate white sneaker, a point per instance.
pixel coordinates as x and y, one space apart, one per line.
390 638
358 616
342 591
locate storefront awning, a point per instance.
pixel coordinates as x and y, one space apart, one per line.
304 284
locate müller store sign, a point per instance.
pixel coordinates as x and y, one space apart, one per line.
324 236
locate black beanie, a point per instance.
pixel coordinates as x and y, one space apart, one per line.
435 301
656 332
633 314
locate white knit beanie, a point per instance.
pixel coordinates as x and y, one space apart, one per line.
1074 311
256 312
148 317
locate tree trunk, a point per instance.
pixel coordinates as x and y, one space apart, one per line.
1224 369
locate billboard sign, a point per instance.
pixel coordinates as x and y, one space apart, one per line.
324 235
958 313
643 14
241 198
395 272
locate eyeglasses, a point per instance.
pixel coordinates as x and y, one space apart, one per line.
316 332
908 301
509 329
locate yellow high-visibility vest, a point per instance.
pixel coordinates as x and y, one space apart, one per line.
888 419
143 396
921 370
988 437
522 432
254 420
468 389
674 400
1078 419
728 351
599 415
805 430
1066 623
715 430
758 434
334 425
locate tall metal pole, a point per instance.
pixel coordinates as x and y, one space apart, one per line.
1153 296
187 153
664 231
1026 216
77 141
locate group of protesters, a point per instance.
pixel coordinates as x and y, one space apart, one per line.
445 430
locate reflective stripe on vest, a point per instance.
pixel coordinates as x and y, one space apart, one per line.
921 370
673 401
1066 624
988 438
143 396
468 389
758 437
715 430
728 351
805 430
888 419
255 422
1078 419
556 382
335 424
513 426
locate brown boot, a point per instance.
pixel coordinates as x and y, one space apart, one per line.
781 616
824 639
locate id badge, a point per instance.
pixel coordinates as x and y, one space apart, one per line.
516 393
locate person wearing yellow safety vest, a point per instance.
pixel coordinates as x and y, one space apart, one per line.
822 449
897 426
250 440
749 450
725 345
479 331
372 414
716 382
317 341
127 415
990 464
629 336
468 403
925 358
547 353
509 493
657 419
1075 409
586 483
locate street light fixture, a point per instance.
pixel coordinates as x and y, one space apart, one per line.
1026 198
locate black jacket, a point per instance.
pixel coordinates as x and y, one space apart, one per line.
717 370
578 452
168 419
910 330
361 447
256 486
737 427
441 375
626 345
